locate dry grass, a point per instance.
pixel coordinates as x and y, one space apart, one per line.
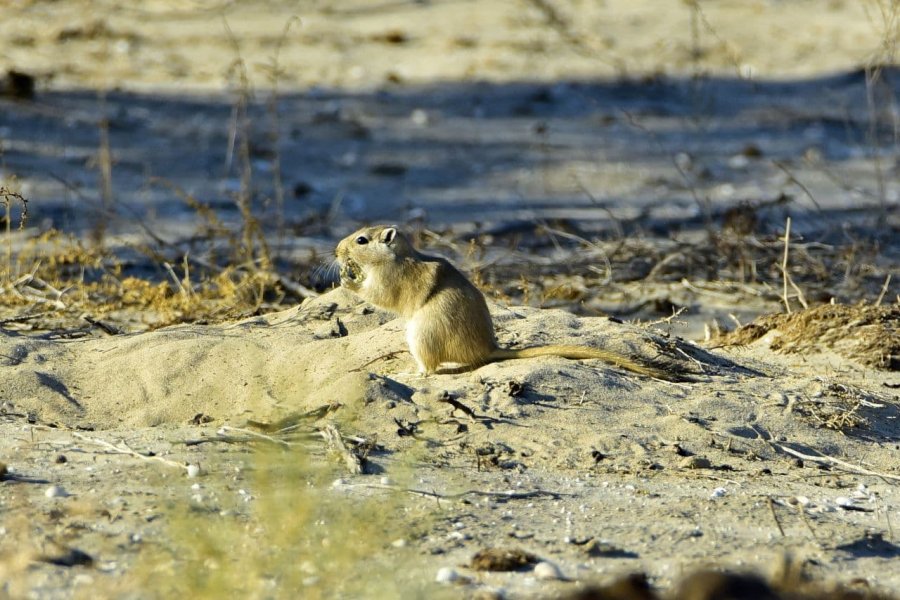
57 279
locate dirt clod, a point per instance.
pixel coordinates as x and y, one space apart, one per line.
503 559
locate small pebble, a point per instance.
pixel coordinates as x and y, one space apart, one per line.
684 161
401 543
718 492
193 470
386 481
447 575
695 462
488 593
56 491
738 161
547 570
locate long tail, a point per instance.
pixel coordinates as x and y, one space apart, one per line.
585 352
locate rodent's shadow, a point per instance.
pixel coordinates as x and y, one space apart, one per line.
871 545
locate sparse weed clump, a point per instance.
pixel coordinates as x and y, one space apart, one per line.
288 530
56 281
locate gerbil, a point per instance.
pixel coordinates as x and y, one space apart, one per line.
447 317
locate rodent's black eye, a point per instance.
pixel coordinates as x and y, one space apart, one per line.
362 240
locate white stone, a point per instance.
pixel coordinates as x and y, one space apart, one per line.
56 491
547 570
446 575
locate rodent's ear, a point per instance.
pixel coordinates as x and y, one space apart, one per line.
387 236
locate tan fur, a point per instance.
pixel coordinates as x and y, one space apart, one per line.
447 317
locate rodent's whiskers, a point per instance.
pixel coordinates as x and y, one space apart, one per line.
325 275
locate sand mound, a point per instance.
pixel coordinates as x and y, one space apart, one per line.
867 334
329 350
337 351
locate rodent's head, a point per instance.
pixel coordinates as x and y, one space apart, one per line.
369 248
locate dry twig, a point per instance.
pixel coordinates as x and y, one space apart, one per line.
505 495
124 449
786 276
824 459
352 460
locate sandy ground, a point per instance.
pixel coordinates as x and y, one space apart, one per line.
617 473
505 134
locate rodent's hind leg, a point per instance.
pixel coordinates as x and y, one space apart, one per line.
425 358
457 370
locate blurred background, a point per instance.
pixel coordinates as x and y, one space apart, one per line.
196 160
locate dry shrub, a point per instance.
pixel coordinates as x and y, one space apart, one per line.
868 334
59 279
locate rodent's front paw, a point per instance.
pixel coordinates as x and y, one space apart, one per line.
351 274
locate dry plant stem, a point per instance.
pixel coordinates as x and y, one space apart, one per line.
256 435
700 17
124 449
828 460
668 320
298 289
798 183
9 252
808 525
250 228
786 277
699 364
577 41
178 286
577 238
890 528
104 159
387 356
872 77
7 196
704 204
44 293
775 516
507 495
22 318
138 219
277 181
784 273
617 224
333 438
884 289
886 27
186 267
